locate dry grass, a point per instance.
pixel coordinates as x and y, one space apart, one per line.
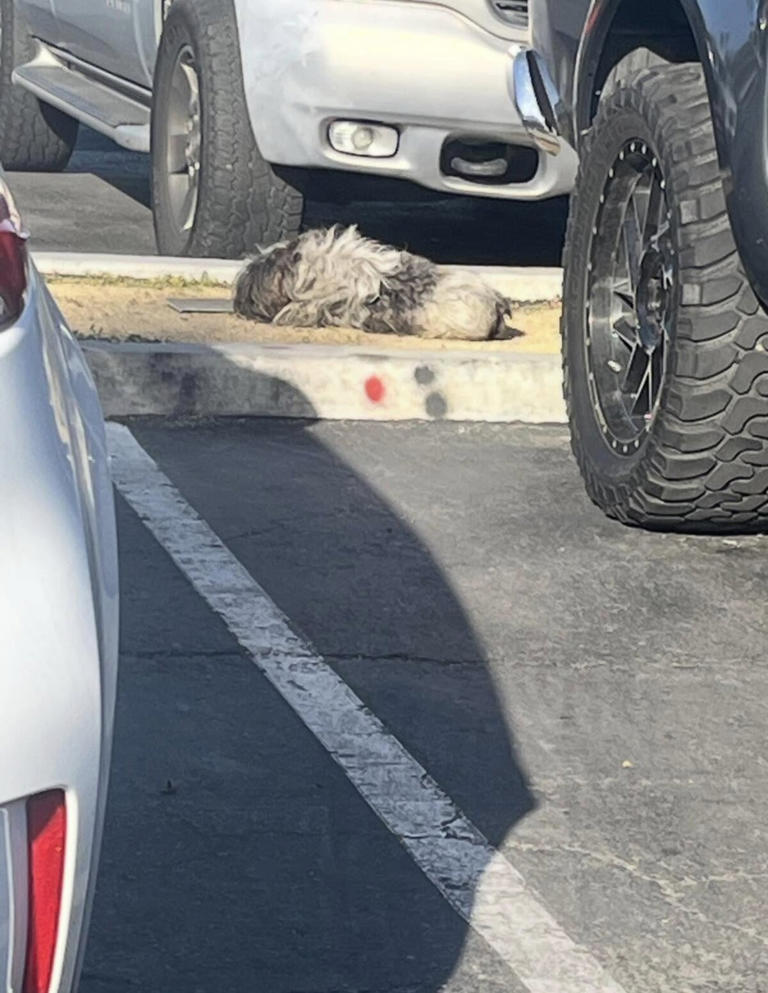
119 309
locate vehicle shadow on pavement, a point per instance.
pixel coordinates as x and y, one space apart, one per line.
455 230
447 229
237 856
126 171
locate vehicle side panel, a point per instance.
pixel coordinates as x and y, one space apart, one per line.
37 15
110 34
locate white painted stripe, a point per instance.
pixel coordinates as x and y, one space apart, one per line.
478 882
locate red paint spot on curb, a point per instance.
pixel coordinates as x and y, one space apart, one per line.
374 389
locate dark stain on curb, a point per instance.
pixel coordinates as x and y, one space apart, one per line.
436 405
424 375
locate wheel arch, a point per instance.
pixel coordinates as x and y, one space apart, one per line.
732 47
614 28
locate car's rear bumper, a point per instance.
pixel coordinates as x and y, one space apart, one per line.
58 619
427 70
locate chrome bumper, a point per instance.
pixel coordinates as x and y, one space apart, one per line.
537 101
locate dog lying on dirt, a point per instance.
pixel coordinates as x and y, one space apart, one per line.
337 278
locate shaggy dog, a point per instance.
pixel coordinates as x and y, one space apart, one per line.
337 278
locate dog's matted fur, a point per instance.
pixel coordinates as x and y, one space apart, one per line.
337 278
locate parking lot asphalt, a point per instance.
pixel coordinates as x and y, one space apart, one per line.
592 698
101 203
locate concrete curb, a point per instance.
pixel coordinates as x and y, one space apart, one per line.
135 266
329 382
519 284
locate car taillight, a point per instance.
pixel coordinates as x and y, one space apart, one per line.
46 843
13 258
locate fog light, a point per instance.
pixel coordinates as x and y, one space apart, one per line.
376 141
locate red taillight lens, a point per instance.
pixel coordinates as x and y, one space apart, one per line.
13 259
47 835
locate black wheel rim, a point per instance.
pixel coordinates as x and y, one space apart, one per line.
630 299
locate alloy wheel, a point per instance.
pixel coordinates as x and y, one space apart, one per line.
630 299
183 147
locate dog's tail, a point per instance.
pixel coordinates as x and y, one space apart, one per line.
502 329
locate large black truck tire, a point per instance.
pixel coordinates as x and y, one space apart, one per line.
665 346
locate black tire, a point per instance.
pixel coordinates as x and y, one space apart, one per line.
34 137
242 202
701 458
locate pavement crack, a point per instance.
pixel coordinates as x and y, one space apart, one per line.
740 929
250 533
173 654
400 657
608 859
368 989
740 876
671 894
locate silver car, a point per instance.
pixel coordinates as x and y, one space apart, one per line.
58 629
241 102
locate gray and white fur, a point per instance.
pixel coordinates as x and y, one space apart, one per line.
337 278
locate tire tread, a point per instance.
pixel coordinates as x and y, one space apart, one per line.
244 202
704 465
33 135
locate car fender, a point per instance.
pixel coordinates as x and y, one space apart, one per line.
731 42
276 37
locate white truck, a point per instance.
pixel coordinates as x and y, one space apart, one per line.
240 101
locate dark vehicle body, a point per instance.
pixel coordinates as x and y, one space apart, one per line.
581 40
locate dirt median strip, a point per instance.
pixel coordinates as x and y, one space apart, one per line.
117 309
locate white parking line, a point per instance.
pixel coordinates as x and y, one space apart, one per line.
475 879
